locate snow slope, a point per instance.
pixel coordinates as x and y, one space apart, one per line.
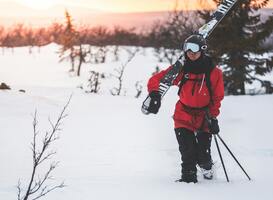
108 149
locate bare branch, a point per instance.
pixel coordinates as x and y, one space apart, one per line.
139 87
120 71
46 177
40 155
45 191
19 190
47 157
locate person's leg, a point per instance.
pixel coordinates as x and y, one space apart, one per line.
188 149
204 154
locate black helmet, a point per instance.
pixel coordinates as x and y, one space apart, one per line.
195 43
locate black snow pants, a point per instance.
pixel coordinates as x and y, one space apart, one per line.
194 149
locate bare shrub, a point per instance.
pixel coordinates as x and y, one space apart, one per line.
139 88
38 185
94 81
120 71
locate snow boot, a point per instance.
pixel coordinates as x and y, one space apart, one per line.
188 177
207 170
207 173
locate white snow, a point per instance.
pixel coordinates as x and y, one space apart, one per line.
108 149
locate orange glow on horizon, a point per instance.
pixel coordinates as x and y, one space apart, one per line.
151 5
94 12
117 6
121 6
38 4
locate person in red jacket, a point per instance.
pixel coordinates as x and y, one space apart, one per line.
201 90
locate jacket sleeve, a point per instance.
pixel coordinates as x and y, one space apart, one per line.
153 83
217 84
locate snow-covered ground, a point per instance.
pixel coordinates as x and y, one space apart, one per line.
108 149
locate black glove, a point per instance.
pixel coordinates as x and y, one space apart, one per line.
213 126
155 102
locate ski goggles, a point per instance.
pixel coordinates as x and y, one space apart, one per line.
193 47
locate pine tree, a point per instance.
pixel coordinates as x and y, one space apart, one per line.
238 44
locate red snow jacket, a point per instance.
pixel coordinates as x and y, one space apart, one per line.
194 97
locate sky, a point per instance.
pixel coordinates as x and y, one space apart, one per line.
122 6
114 5
108 5
41 12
